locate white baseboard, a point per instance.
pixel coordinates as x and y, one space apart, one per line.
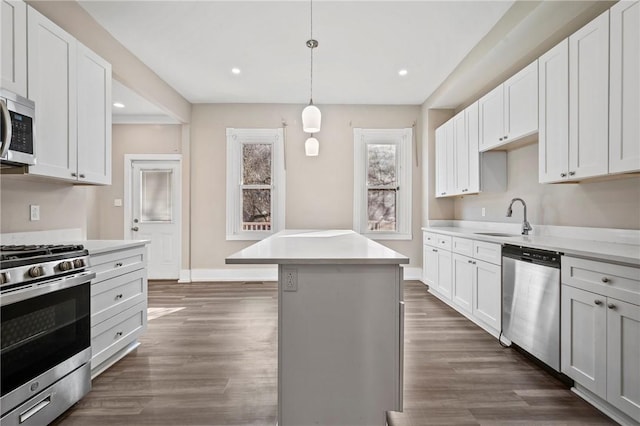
256 274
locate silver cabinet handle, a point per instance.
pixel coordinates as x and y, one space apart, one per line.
434 250
598 302
611 306
135 228
118 296
119 264
81 175
505 137
474 262
74 174
563 175
118 334
605 280
500 138
572 173
469 261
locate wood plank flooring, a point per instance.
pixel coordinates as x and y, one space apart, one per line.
214 363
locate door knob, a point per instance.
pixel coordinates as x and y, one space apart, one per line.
135 228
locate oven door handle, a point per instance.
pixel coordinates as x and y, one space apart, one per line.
6 128
38 289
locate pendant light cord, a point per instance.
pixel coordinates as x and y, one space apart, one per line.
311 38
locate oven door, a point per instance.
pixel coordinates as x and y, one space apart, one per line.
45 335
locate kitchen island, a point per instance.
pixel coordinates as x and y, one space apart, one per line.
340 326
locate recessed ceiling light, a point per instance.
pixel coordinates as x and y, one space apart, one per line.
235 70
403 72
118 104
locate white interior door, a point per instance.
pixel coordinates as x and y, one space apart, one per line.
155 214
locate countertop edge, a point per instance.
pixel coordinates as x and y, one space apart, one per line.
105 246
290 261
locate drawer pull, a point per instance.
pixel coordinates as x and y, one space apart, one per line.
598 302
611 306
118 296
470 261
434 250
119 264
119 334
605 280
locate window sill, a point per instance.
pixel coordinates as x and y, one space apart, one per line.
387 236
253 236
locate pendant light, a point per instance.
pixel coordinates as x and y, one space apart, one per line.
311 116
311 147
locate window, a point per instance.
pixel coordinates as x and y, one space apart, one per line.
382 183
255 183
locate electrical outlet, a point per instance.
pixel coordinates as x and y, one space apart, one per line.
34 212
484 212
291 280
117 202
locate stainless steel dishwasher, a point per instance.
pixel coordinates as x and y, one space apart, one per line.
531 301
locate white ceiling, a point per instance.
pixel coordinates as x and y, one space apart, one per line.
193 45
136 108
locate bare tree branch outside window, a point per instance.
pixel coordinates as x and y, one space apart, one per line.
256 186
382 186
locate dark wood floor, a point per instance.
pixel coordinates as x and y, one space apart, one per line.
214 363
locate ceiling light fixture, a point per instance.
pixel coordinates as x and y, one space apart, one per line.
402 72
311 116
118 104
235 71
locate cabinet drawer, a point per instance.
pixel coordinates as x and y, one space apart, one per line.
430 239
110 336
112 264
608 279
462 246
489 252
444 242
112 296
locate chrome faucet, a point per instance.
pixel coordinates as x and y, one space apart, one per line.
526 226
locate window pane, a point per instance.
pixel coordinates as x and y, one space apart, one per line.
256 164
381 164
381 207
256 209
155 203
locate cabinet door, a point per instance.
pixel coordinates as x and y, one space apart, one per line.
52 86
444 273
430 266
487 294
491 110
624 126
473 135
463 276
460 154
553 114
623 356
445 185
589 99
13 22
94 117
583 354
521 103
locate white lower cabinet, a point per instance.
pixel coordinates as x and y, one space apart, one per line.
600 347
118 303
464 279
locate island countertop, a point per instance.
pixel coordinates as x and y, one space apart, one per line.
317 247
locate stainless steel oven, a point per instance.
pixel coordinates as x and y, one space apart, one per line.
45 334
17 129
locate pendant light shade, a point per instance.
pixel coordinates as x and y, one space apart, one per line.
312 147
311 118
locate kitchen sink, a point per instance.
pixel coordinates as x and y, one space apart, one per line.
496 234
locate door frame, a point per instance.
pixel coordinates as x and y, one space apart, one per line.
128 191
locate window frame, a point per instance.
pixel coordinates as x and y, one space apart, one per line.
402 139
236 138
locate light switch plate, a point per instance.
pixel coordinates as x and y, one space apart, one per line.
117 202
34 212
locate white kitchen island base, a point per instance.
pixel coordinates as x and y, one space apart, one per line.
340 327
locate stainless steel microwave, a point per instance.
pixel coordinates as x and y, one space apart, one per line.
17 129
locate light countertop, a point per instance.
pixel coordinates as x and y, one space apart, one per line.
599 250
102 246
317 247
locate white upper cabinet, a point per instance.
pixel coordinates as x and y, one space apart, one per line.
466 156
52 86
553 136
13 18
624 104
94 117
71 87
491 108
510 111
445 172
589 99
